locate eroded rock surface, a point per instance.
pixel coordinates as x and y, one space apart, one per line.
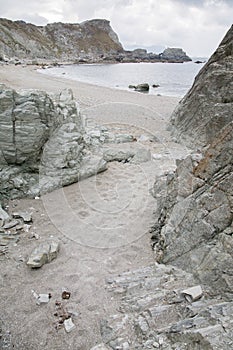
154 313
194 228
42 143
208 106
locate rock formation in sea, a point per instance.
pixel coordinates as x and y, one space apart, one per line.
173 54
89 41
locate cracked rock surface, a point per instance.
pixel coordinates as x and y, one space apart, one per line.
207 107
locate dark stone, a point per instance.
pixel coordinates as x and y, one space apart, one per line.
142 87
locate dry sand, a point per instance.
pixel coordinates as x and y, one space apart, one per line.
101 222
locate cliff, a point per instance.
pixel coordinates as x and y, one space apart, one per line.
207 107
89 41
195 203
61 41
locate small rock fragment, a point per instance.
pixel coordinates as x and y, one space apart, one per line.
69 325
34 235
26 216
192 294
43 254
10 224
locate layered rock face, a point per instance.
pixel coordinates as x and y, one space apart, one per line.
194 229
195 204
62 41
208 105
41 143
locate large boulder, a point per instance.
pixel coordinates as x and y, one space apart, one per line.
42 143
208 106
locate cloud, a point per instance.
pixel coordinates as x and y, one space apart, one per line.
195 25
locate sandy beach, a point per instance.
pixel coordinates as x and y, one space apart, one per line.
107 232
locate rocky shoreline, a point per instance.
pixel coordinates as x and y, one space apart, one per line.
101 286
91 41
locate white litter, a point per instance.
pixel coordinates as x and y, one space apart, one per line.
69 325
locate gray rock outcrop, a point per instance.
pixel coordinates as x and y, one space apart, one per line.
194 223
194 227
42 143
88 40
208 106
155 312
187 303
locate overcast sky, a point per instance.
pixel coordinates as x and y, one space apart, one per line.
197 26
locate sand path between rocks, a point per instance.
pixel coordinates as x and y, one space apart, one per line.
102 222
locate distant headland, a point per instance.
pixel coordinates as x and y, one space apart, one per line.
92 41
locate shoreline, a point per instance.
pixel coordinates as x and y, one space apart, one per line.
14 77
86 94
122 76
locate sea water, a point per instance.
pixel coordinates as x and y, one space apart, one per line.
174 79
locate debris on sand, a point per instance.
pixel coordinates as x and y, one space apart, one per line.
44 253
